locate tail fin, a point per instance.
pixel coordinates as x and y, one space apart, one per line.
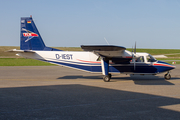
30 37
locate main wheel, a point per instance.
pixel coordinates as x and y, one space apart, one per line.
167 76
110 75
107 78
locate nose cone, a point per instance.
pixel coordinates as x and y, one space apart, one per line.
163 66
170 67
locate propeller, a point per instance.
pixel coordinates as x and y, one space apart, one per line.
135 48
133 56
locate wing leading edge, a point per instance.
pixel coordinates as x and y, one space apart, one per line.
102 48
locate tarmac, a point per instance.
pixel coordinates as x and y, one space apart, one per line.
59 93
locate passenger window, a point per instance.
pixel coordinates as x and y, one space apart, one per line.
98 59
140 59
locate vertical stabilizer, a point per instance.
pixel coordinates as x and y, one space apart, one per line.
30 37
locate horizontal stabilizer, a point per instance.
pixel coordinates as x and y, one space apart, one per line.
20 51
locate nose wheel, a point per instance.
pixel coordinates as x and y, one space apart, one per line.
167 76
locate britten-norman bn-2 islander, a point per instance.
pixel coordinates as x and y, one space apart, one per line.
106 59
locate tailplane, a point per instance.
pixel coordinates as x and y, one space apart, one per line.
30 37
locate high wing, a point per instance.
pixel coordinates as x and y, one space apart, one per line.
115 53
102 48
105 50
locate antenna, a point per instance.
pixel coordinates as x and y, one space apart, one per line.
106 40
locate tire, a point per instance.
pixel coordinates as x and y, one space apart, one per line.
107 78
110 75
167 76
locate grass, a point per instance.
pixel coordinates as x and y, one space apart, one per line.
151 51
22 62
160 51
10 59
4 54
32 62
170 60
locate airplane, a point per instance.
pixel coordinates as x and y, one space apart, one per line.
105 59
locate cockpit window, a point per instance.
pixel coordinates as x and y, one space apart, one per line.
150 58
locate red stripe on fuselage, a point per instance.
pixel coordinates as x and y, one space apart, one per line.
88 61
157 64
92 61
128 57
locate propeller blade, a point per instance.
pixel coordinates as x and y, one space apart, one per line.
132 49
135 48
134 57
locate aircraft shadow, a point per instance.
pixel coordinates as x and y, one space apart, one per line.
72 102
147 79
80 77
138 79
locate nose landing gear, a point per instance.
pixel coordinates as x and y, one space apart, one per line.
167 76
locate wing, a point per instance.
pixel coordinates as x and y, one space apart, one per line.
105 50
111 52
102 48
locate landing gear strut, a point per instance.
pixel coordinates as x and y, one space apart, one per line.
167 76
105 69
107 78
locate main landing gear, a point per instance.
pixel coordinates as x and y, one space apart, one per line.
167 76
107 78
105 69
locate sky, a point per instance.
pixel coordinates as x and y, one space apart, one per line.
151 24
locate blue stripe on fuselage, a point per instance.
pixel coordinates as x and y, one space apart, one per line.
117 68
96 67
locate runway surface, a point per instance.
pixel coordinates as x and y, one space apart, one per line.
54 93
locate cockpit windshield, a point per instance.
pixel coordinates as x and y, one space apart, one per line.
150 58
